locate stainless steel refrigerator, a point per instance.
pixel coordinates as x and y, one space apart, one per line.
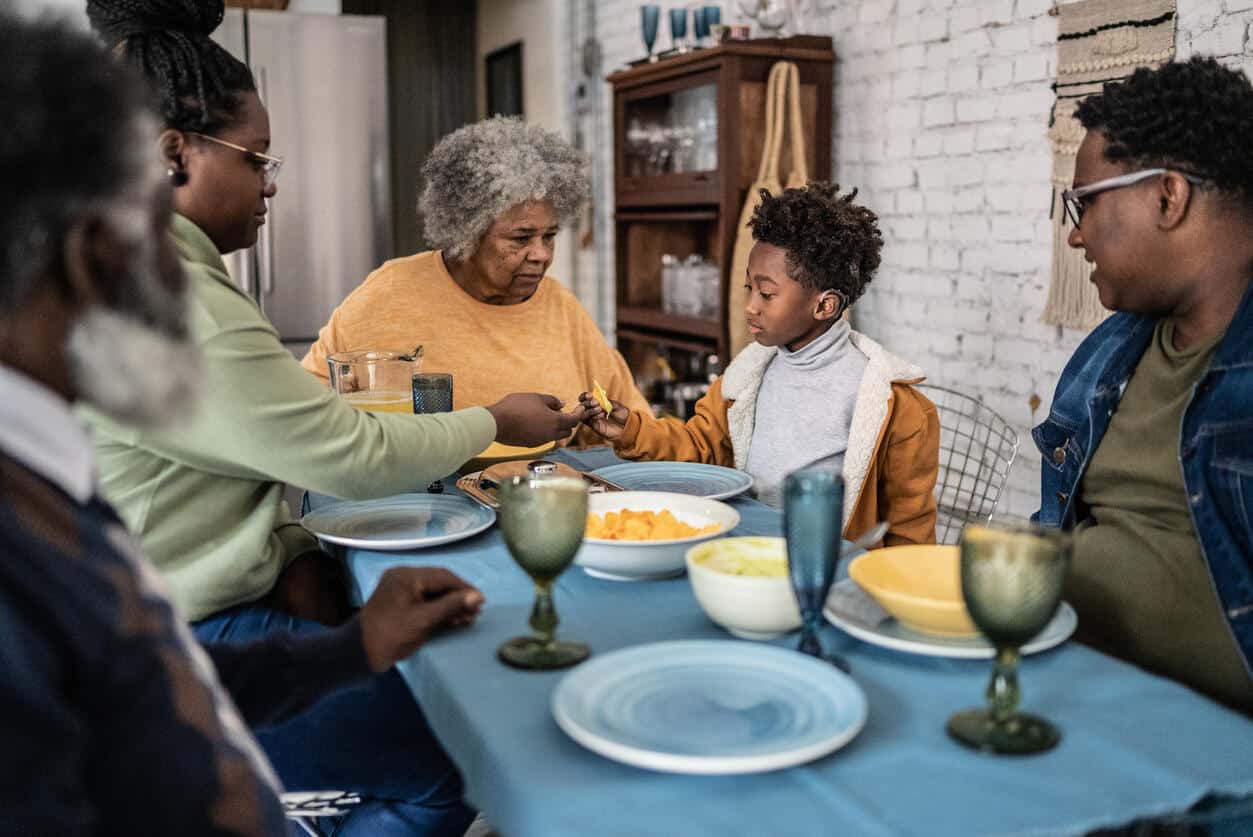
323 79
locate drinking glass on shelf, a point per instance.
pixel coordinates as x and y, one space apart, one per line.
376 381
710 290
543 519
650 17
669 284
1011 574
813 521
678 29
700 25
688 286
636 147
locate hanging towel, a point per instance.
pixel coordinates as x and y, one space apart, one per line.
783 110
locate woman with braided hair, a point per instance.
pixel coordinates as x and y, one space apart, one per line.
206 497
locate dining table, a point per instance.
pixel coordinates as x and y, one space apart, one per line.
1134 746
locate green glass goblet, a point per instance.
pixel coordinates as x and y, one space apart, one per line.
543 519
1011 577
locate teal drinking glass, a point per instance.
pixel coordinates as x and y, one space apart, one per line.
678 29
813 520
543 519
650 16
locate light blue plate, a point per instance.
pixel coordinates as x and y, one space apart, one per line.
695 478
404 521
709 706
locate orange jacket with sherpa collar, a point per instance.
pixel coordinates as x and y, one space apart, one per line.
893 453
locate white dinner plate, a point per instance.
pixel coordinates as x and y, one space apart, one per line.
403 521
709 707
850 609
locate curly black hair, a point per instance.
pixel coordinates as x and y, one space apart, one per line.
75 141
1195 116
832 243
198 82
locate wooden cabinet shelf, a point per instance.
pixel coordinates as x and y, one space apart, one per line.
651 318
688 136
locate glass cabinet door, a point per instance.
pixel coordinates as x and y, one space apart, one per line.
672 133
667 142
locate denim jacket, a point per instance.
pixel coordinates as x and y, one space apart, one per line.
1215 446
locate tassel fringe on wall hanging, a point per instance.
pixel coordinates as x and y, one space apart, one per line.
1097 41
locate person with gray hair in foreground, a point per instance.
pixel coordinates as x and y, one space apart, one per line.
114 720
480 304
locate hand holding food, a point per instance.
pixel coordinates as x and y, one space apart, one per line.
602 397
527 419
606 417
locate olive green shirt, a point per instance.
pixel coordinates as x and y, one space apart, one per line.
206 497
1139 581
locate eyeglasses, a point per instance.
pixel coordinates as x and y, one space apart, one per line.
1073 199
269 165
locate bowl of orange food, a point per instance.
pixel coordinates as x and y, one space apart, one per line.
643 535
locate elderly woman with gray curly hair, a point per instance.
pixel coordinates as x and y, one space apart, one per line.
481 304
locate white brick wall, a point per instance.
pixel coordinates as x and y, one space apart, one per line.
941 111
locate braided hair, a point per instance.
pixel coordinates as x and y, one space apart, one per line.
198 83
1195 116
832 243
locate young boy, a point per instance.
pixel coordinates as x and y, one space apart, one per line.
810 391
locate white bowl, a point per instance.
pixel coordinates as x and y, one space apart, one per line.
749 606
644 560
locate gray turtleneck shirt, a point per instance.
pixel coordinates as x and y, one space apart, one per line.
804 410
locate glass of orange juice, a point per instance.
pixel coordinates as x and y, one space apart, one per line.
381 382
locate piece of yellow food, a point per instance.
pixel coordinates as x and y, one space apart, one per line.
627 525
602 397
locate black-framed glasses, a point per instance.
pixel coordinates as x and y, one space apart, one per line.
1073 199
268 163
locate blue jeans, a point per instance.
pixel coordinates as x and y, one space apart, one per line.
370 738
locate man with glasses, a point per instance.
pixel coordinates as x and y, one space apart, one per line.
1148 446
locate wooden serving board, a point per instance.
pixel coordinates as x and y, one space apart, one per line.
483 485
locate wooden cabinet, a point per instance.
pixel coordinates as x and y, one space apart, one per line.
688 136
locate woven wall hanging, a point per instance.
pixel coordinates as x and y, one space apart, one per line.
1097 41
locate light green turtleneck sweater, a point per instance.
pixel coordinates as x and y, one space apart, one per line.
206 497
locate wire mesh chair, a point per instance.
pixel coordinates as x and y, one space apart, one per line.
977 448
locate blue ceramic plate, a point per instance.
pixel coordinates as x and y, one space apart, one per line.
853 611
709 706
712 481
405 521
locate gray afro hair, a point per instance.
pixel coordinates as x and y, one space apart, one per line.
477 173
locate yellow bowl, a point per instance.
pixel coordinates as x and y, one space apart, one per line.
919 585
496 452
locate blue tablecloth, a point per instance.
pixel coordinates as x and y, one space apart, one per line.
1133 745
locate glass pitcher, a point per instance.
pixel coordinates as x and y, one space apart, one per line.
378 381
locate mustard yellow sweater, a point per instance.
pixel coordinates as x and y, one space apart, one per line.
546 344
